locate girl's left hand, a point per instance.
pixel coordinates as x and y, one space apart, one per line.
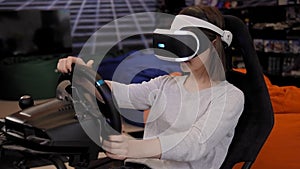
118 146
123 146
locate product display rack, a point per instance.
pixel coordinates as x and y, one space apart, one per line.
276 37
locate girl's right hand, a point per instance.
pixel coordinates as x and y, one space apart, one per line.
64 65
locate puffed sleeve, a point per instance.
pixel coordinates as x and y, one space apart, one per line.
137 96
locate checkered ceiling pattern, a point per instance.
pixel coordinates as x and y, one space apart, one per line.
87 16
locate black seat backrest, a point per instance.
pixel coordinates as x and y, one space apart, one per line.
257 119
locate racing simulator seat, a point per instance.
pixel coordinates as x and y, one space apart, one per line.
257 119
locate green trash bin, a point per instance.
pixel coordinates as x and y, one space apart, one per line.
35 77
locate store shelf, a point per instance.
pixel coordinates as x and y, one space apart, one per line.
276 38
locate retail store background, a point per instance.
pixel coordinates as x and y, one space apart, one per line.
281 150
86 17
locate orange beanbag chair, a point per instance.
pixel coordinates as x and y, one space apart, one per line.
282 148
285 99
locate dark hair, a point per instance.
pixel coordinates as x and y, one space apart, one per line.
214 16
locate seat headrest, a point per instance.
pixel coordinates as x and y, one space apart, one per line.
243 42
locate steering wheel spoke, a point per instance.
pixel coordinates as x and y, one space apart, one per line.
85 84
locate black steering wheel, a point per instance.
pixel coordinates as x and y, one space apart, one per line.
110 112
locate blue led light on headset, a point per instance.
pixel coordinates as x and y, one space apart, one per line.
161 45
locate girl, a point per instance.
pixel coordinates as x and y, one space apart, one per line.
192 117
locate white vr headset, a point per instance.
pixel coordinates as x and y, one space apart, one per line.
179 45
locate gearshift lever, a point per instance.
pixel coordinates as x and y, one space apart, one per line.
25 102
